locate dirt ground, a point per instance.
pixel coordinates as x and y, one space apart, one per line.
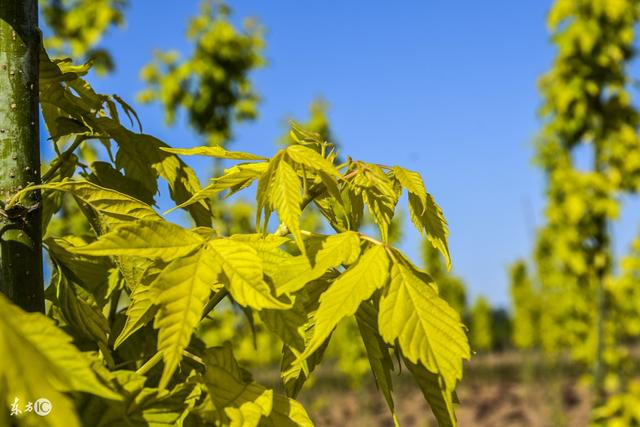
495 393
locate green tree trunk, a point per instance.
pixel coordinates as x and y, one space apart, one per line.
20 227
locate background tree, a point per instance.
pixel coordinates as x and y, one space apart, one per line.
75 27
481 327
212 86
525 309
588 113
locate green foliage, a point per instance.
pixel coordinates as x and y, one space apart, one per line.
587 108
525 308
77 26
481 329
318 122
450 287
135 294
212 85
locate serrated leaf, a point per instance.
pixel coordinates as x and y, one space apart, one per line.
378 193
144 406
91 272
412 181
244 274
309 158
344 296
427 329
286 198
181 290
234 179
140 312
107 176
323 253
80 309
288 325
265 186
42 359
143 160
250 401
216 151
439 397
268 249
112 207
377 352
149 239
428 218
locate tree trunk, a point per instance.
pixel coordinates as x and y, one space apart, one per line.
20 227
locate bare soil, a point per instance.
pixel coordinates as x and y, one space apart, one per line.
496 392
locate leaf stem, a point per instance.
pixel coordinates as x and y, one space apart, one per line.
63 157
149 364
213 302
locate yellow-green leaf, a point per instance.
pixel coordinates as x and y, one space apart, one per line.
344 296
216 151
428 330
323 253
149 239
429 219
42 359
244 274
286 198
181 290
309 158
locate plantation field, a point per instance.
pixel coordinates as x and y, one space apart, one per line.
496 392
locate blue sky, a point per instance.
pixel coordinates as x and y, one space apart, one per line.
445 88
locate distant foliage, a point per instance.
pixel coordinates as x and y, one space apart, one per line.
526 309
481 327
77 26
589 114
212 86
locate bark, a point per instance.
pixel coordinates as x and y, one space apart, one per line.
20 227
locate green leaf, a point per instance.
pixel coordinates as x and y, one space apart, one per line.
107 176
181 290
89 272
244 274
216 151
378 193
377 352
142 158
42 360
249 402
344 296
323 253
288 325
112 207
140 312
311 159
286 198
429 219
143 406
149 239
234 179
440 398
80 309
412 181
265 188
427 329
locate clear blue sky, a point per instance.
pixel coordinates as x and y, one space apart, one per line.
445 88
